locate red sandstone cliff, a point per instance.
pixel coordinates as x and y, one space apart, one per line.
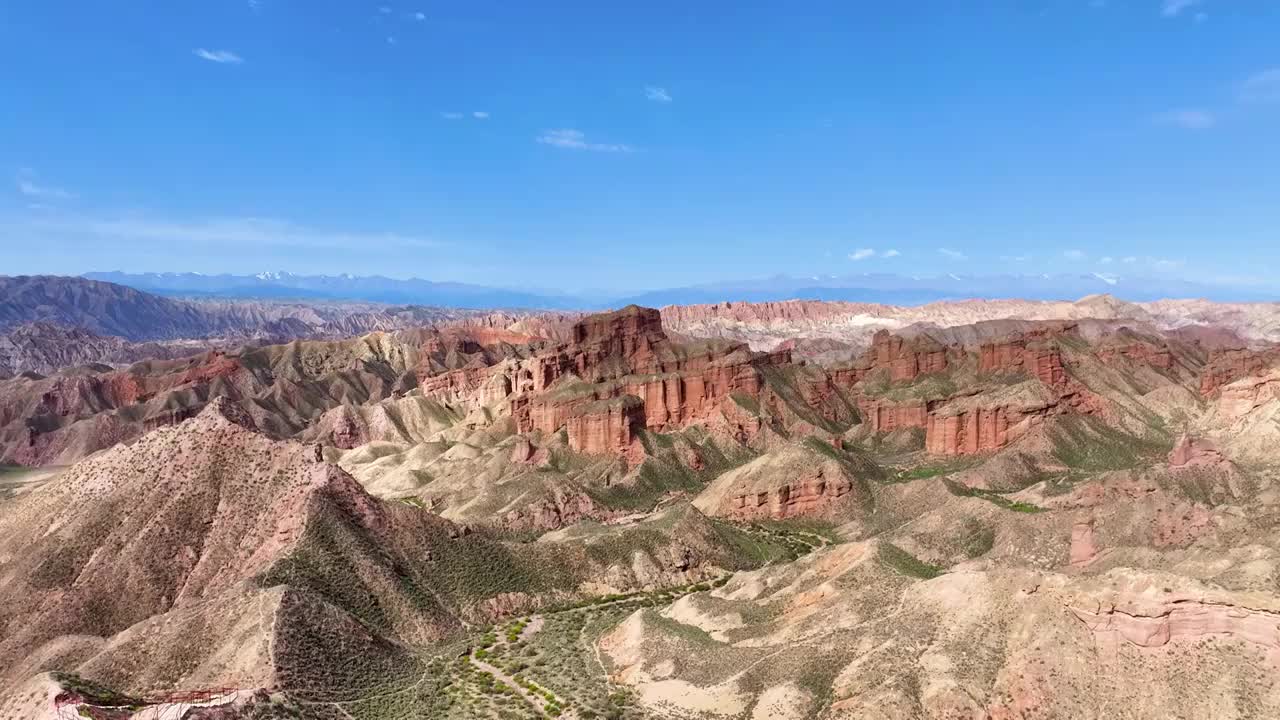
1227 366
1035 353
620 373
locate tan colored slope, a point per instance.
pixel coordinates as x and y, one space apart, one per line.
1244 417
208 554
765 325
1144 593
330 391
971 643
168 522
807 479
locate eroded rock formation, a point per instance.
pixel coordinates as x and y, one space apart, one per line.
1035 353
1227 366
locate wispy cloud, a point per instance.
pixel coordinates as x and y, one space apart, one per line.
219 56
657 94
952 254
384 9
1262 87
230 232
1129 260
866 253
420 16
1189 119
31 189
1073 254
575 140
1105 260
473 115
1174 8
1167 264
255 5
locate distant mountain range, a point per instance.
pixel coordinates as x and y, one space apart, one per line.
375 288
111 309
879 288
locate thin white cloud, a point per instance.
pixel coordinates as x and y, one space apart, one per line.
480 115
219 56
43 192
452 115
657 94
391 39
575 140
1129 260
1261 87
420 16
1188 119
1166 264
1174 8
862 254
384 9
255 5
1073 254
952 254
890 253
1105 260
231 232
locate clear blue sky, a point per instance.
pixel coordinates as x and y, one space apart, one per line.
637 145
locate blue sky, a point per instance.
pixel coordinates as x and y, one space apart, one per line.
577 145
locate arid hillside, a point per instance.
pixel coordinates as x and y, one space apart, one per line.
818 327
554 517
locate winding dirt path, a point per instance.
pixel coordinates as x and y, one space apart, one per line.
536 701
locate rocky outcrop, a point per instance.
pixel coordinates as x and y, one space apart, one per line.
1156 356
606 427
1151 624
885 416
1191 452
620 374
1242 397
1226 366
906 359
559 510
789 482
806 495
1034 353
982 423
969 432
902 359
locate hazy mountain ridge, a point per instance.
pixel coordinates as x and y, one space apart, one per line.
868 287
288 286
111 309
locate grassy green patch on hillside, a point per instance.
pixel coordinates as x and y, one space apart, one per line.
858 467
905 563
782 380
1089 444
923 472
991 496
664 470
